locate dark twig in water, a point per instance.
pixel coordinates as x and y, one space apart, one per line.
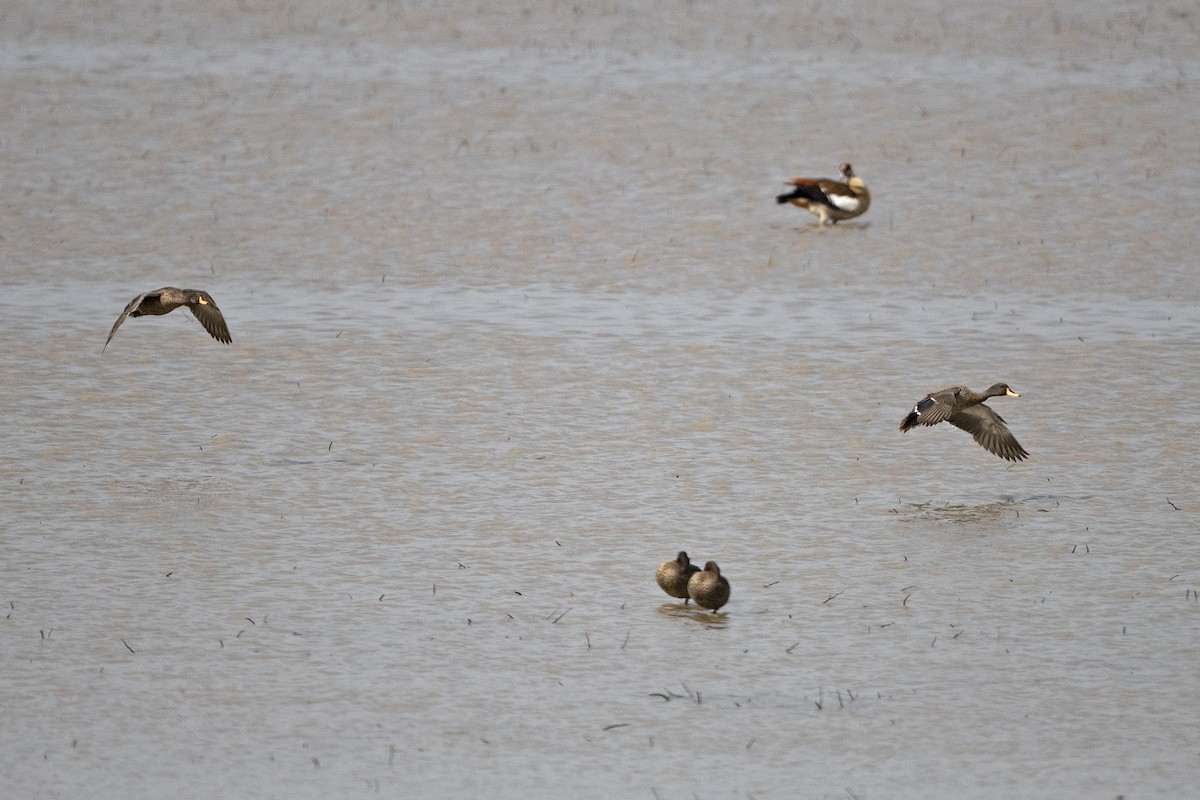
827 599
793 647
1172 505
616 725
560 616
769 585
127 647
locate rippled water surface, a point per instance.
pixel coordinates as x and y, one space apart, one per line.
515 318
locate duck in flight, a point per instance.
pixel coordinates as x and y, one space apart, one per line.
830 200
964 409
167 299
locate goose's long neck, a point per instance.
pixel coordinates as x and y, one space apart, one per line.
860 191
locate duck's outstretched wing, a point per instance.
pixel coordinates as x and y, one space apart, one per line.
989 431
133 304
933 408
210 317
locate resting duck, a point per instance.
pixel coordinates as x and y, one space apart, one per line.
709 588
830 200
964 409
167 299
672 576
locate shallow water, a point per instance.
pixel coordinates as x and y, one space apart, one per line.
515 318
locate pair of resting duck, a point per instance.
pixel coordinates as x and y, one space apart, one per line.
681 578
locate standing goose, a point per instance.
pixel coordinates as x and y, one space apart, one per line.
167 299
830 200
672 576
709 588
964 409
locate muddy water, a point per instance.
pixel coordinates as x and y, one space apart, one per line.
515 318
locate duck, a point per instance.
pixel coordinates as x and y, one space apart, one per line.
672 576
964 409
709 588
167 299
830 200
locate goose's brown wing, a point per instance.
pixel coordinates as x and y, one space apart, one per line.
989 431
840 196
133 304
210 317
815 190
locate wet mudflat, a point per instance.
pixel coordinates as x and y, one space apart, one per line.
515 318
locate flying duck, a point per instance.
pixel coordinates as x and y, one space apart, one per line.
830 200
167 299
964 409
672 576
708 587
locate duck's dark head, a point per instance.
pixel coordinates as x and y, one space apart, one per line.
682 559
846 170
1002 390
712 567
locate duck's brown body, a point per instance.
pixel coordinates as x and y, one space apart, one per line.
709 588
964 409
167 299
830 200
672 576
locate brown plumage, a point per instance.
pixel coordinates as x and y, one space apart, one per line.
964 409
167 299
830 200
672 576
708 587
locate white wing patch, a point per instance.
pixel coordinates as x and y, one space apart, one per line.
846 202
